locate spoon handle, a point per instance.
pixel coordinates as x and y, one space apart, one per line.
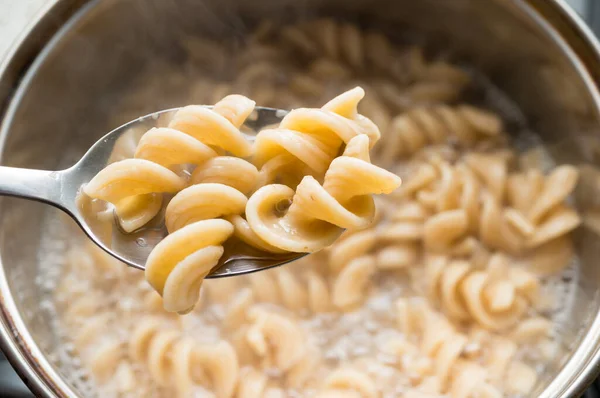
40 185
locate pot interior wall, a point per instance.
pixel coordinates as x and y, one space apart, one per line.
67 101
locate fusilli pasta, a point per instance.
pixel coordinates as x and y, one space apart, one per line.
311 138
168 355
422 126
131 184
318 212
452 291
306 142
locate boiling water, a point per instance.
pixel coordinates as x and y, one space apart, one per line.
341 336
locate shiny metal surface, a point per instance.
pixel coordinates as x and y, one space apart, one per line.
62 189
66 77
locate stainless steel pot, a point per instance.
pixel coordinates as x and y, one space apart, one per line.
65 75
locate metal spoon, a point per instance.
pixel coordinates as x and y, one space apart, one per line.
62 190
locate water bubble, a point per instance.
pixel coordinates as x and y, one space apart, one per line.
141 242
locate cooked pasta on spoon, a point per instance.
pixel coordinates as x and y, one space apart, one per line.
203 191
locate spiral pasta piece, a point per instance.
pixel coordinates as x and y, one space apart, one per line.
313 137
235 314
168 147
276 338
292 292
178 264
352 281
295 291
424 126
299 292
217 127
496 298
168 355
319 212
351 247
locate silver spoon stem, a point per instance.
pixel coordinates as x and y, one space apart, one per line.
40 185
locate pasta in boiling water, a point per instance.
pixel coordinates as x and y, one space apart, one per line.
454 290
496 298
420 127
168 355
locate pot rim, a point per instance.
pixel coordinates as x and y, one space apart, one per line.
18 345
580 371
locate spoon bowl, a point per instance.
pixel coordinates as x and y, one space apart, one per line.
63 189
